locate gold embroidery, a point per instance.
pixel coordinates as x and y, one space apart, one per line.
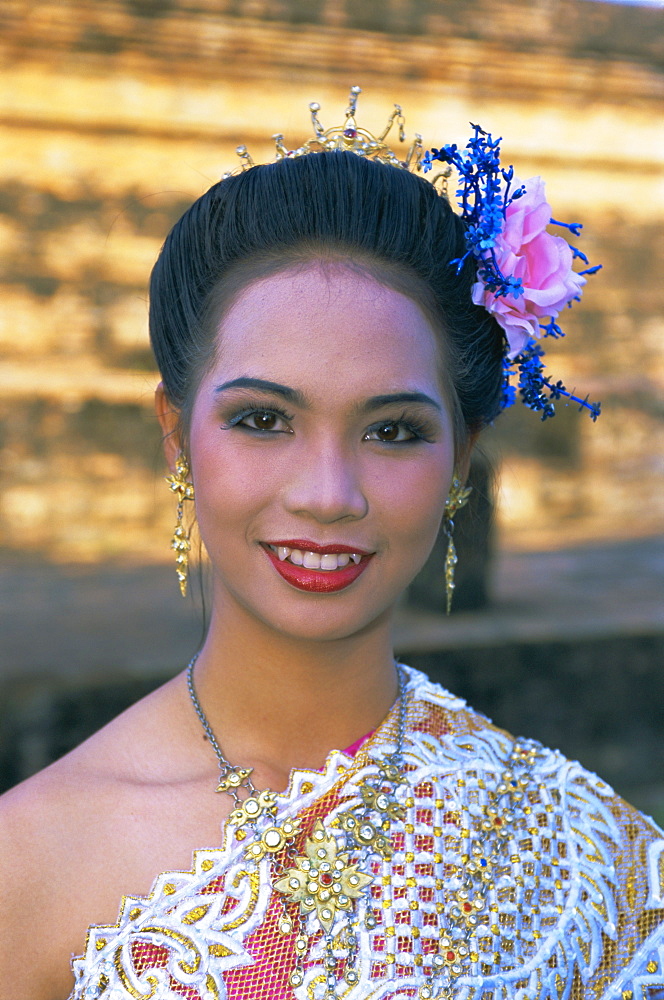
219 950
196 914
211 987
189 967
124 979
254 882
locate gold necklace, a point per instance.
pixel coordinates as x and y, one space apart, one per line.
329 877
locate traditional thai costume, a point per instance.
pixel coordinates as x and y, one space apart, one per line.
479 867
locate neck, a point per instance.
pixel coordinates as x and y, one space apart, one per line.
275 703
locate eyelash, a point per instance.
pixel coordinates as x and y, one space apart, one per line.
420 430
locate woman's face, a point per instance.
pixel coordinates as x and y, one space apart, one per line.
321 450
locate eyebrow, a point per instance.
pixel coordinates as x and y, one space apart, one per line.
300 399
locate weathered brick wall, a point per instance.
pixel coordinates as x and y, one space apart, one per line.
114 116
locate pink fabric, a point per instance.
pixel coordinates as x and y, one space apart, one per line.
354 747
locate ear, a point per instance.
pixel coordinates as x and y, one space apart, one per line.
462 463
169 419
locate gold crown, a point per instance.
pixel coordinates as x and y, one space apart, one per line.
348 137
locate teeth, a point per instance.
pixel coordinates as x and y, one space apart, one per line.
314 560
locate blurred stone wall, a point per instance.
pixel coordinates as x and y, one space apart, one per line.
114 116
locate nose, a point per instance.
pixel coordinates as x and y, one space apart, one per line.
325 484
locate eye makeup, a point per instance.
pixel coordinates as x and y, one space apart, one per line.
265 417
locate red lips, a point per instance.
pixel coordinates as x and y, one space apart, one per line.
315 580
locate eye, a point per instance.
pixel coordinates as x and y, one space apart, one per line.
268 421
261 420
391 431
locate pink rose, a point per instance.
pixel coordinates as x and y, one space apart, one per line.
543 262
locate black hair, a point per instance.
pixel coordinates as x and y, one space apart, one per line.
337 205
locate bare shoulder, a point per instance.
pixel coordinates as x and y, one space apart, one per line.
36 824
86 830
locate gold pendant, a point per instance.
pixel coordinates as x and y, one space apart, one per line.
273 839
234 779
252 808
323 880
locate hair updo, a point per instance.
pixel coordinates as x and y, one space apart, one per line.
385 221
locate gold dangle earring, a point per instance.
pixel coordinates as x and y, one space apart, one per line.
457 499
182 486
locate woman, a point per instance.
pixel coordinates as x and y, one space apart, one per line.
331 337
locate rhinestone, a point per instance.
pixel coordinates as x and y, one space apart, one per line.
366 832
305 865
294 883
272 838
382 801
296 978
241 150
343 899
301 944
312 886
309 901
286 926
370 921
354 879
251 807
351 976
319 835
314 106
326 914
331 981
321 852
330 962
324 895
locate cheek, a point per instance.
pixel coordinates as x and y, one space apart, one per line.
231 485
412 500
